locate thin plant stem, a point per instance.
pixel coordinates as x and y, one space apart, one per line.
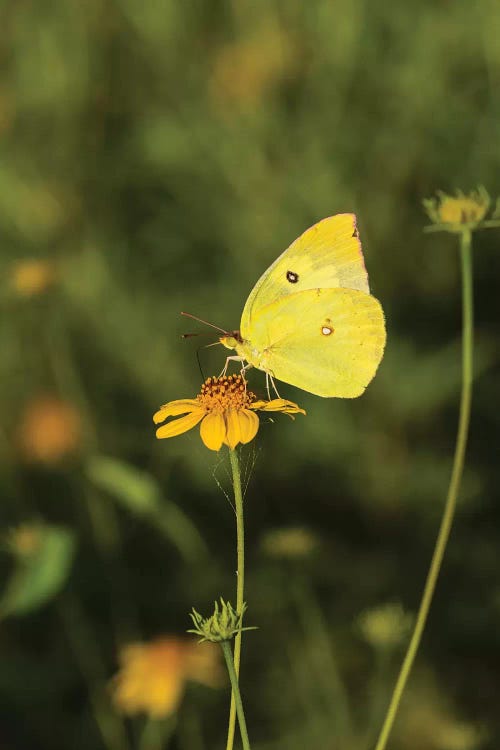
231 668
88 658
322 654
453 489
189 732
157 733
240 585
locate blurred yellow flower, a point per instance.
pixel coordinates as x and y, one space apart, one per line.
152 676
49 430
429 720
30 277
25 539
245 70
385 626
292 543
460 210
226 410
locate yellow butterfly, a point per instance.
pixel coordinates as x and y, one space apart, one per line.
310 320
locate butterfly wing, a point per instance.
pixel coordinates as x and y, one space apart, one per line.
327 254
326 341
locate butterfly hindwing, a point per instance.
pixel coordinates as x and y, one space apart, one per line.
326 341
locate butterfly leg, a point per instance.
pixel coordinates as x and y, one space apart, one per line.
243 370
231 359
267 386
270 380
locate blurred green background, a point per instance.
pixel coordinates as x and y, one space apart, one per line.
157 157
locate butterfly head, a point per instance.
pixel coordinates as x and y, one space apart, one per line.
231 339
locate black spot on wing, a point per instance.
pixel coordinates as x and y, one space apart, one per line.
292 277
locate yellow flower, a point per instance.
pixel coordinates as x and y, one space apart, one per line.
30 277
292 543
459 211
226 410
153 675
385 626
25 540
49 430
246 70
429 720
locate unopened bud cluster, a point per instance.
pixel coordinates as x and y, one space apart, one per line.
223 625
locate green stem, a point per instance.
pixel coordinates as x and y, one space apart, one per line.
236 695
454 486
240 586
88 658
156 733
322 653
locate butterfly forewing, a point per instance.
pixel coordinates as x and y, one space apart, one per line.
327 255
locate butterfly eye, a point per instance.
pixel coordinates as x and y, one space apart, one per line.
292 277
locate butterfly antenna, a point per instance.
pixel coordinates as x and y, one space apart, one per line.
202 333
205 322
199 364
194 335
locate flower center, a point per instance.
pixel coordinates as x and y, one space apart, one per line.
461 211
226 392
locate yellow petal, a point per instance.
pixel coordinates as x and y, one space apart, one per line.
278 404
204 665
249 425
213 431
174 408
163 695
233 432
178 426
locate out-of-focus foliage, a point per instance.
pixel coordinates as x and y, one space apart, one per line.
156 157
140 494
43 556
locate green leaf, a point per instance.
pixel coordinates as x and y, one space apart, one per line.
140 494
40 573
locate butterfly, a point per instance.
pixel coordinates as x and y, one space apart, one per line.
310 320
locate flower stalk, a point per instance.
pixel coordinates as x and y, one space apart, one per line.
240 590
221 627
235 694
453 488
